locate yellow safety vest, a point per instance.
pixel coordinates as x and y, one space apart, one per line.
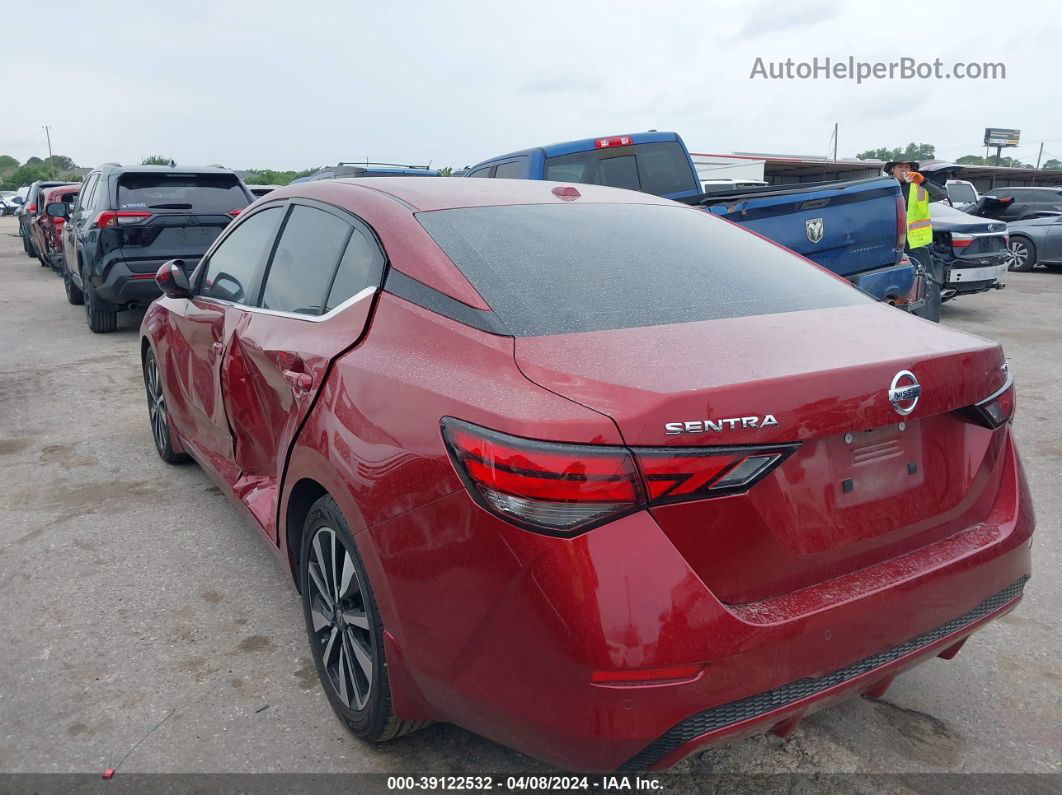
919 227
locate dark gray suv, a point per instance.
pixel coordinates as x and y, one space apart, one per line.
128 220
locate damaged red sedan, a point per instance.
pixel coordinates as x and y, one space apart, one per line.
596 475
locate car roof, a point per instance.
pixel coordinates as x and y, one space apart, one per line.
581 145
70 187
443 193
179 169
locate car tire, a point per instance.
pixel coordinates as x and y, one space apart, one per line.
31 250
158 416
346 644
73 292
100 321
1022 254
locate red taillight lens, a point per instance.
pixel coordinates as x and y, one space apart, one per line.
120 218
32 208
959 240
615 140
998 408
557 488
566 488
675 474
235 212
901 224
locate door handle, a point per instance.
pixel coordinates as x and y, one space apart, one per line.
300 382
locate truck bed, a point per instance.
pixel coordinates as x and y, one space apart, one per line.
857 220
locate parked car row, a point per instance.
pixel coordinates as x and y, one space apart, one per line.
618 449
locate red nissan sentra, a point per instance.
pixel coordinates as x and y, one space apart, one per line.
591 473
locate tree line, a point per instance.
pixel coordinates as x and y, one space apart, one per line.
919 152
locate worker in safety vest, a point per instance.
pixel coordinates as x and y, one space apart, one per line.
917 193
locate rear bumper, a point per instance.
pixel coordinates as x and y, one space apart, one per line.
122 286
893 283
781 708
546 613
975 279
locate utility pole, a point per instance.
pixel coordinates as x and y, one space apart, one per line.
835 142
51 164
1039 156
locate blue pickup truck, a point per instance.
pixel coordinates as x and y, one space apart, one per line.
854 228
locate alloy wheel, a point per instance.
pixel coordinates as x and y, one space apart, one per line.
1019 255
340 623
156 403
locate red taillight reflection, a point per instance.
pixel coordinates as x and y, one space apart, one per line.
235 212
644 676
564 488
959 240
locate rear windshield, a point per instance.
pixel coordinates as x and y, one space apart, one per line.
658 168
203 193
961 194
561 268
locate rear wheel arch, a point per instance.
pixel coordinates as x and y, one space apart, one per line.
302 497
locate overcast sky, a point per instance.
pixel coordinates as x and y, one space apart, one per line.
295 84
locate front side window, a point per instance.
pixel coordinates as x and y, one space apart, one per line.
233 271
305 261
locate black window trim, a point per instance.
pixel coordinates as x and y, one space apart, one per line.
286 204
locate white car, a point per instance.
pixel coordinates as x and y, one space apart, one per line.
8 205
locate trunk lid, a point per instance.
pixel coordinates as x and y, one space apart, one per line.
718 382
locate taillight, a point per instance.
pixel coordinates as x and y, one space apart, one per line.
32 208
901 224
120 218
565 488
556 488
996 409
616 140
959 240
677 474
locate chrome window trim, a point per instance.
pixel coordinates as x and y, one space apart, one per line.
356 298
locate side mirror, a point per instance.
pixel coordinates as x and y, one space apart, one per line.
57 210
172 279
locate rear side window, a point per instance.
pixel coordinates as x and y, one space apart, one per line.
234 269
88 192
557 269
305 261
358 269
659 168
201 193
481 172
511 170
